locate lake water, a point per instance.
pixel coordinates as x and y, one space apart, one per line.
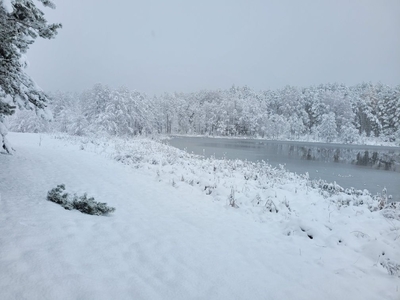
362 167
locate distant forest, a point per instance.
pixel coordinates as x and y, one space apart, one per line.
328 112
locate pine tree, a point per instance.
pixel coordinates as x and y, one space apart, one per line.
21 22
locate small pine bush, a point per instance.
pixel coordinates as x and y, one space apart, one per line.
83 203
91 207
58 196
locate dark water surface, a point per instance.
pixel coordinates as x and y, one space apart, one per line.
358 166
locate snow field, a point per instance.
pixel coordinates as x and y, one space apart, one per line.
174 234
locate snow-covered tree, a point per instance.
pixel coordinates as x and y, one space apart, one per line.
66 109
277 126
297 127
349 134
27 121
21 22
389 110
327 129
94 103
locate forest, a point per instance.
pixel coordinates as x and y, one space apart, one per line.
328 112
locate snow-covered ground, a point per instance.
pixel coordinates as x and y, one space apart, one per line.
184 228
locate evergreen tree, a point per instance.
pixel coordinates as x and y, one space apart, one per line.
327 129
21 22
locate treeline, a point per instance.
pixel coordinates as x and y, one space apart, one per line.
329 112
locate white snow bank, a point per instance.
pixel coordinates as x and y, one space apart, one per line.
174 234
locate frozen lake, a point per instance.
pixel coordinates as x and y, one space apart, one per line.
358 166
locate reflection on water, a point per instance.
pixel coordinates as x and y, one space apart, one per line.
362 167
379 160
386 159
382 160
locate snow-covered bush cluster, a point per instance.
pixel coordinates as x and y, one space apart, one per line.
330 113
82 203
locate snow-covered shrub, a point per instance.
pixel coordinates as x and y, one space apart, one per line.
89 206
270 206
58 196
392 211
232 199
83 203
392 267
327 189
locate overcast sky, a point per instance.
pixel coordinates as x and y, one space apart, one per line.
165 46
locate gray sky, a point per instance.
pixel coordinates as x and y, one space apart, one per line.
165 46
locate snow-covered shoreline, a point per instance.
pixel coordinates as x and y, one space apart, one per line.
367 141
185 227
